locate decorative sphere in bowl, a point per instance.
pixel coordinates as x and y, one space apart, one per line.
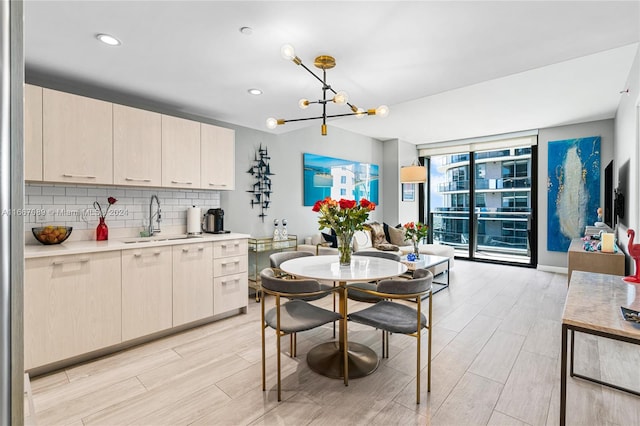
52 234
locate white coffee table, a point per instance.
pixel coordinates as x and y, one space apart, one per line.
427 261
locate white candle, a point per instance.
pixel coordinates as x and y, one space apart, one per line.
607 242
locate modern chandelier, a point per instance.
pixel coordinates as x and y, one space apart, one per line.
323 62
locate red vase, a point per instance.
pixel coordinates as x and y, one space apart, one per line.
102 231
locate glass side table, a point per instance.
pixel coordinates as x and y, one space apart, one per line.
259 251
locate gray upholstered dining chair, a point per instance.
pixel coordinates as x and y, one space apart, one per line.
361 296
293 316
276 259
393 317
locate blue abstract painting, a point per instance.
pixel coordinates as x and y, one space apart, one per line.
337 178
573 189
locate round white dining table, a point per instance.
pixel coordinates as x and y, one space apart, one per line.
326 358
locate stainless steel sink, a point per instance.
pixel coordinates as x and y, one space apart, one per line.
156 238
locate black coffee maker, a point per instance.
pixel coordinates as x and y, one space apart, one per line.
214 222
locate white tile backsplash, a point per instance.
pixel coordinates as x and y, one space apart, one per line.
72 205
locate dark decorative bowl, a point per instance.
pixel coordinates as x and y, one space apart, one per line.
52 234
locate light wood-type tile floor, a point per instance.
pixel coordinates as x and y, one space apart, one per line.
496 352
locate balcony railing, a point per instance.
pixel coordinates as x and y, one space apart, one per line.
505 230
504 183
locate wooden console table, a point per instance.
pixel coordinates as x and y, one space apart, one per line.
594 261
593 307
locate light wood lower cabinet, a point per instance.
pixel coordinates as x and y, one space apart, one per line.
230 279
229 293
147 295
72 305
76 304
192 282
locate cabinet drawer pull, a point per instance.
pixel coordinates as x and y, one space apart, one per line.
130 179
180 182
224 246
63 262
217 184
235 262
186 250
155 253
78 176
231 281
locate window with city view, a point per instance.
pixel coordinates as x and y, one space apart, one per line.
500 193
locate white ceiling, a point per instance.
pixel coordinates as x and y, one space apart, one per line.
447 69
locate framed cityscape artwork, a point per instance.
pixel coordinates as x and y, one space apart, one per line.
408 192
338 178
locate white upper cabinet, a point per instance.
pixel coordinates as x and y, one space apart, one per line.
76 138
180 153
217 160
137 147
32 132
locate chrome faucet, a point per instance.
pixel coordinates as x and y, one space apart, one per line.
157 215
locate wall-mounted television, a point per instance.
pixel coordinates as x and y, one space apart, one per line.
608 195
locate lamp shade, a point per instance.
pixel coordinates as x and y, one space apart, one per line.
413 174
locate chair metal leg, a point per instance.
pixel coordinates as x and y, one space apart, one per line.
292 349
345 344
295 345
386 340
334 309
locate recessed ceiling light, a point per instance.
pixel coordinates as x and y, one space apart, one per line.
108 39
246 30
255 91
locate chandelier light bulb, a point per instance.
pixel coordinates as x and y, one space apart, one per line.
360 113
382 111
303 103
341 98
288 52
272 123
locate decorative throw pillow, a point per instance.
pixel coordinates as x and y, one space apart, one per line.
331 239
396 236
386 231
377 234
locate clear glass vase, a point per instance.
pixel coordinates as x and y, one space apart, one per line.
344 248
416 252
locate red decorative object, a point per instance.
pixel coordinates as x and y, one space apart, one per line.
634 251
102 231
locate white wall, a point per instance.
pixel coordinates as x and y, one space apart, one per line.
626 150
408 211
391 183
286 162
604 129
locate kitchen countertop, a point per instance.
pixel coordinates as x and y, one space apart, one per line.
92 246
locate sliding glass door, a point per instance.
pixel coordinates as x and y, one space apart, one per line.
481 203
